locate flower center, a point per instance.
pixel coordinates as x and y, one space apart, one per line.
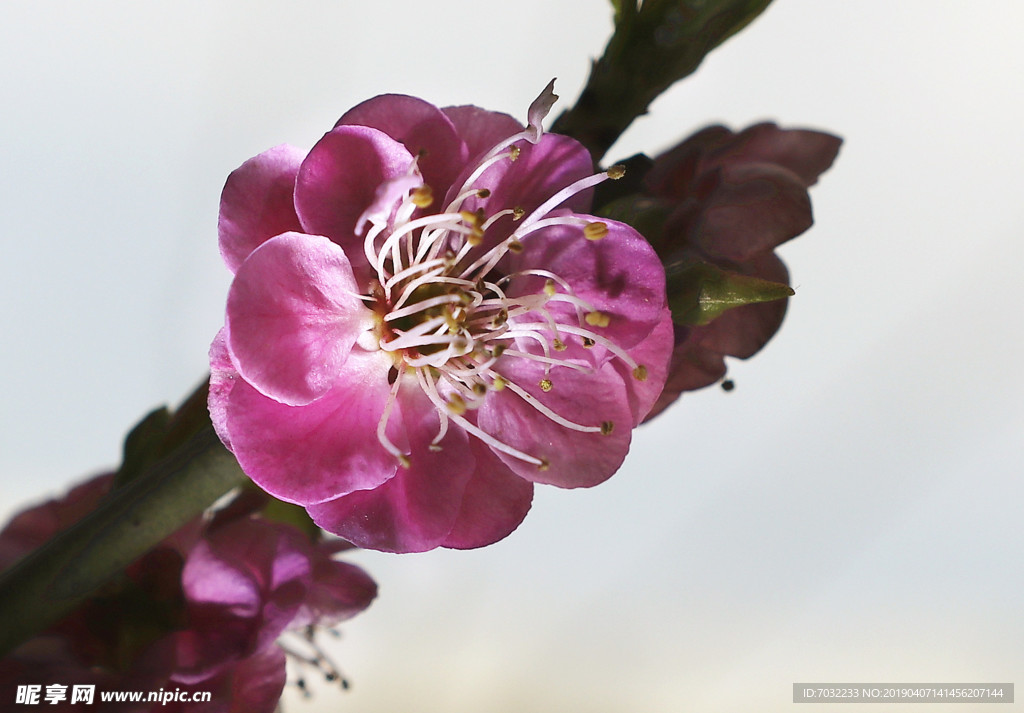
449 315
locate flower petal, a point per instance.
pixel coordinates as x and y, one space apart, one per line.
805 153
753 210
257 202
653 354
421 127
692 367
340 591
414 510
495 501
222 379
592 399
293 315
338 181
480 129
619 275
320 451
540 171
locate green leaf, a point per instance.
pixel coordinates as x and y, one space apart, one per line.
699 292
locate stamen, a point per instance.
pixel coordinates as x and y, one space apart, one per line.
616 172
595 231
422 197
456 405
566 193
590 337
546 385
422 306
382 424
430 389
597 319
549 360
560 420
640 373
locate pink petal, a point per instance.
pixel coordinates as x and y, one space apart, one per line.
495 501
320 451
338 181
575 459
653 353
805 153
256 683
540 171
276 558
755 209
414 510
619 275
223 376
292 317
422 128
480 129
257 202
692 367
340 591
211 579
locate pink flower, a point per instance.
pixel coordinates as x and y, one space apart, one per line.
201 612
730 199
424 322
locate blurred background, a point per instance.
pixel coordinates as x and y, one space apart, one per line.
851 512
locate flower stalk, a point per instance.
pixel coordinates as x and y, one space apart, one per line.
47 584
655 44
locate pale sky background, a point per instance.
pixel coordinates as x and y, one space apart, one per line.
850 513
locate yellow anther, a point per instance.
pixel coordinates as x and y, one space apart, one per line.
546 385
597 319
607 427
470 217
475 238
514 246
549 288
456 405
513 153
403 460
498 349
499 383
518 212
480 388
588 342
640 373
483 193
422 197
616 172
558 345
543 465
595 231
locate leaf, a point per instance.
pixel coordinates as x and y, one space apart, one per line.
699 292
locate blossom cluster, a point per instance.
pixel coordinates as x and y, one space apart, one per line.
425 320
201 612
728 199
